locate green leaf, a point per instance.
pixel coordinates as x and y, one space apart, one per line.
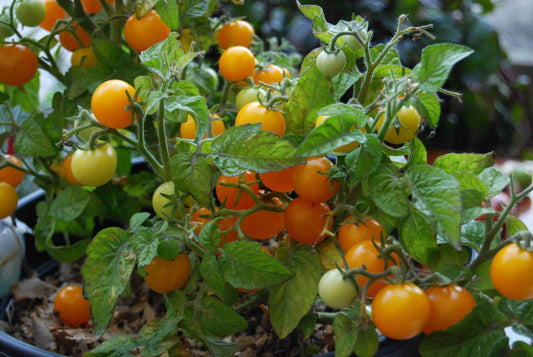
436 63
209 237
467 180
316 15
472 163
366 342
142 7
119 346
70 203
345 327
244 264
169 13
494 180
451 263
343 82
144 243
308 324
479 334
388 190
218 319
521 349
66 253
31 140
312 92
245 147
157 336
436 195
169 247
290 301
221 348
192 175
473 234
428 105
167 58
365 159
518 311
514 225
106 273
417 237
215 280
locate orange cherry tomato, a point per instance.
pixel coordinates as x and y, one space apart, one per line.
109 102
235 33
54 12
263 224
18 64
278 181
270 74
255 112
70 42
167 275
311 182
351 233
10 198
203 215
236 63
305 221
449 305
73 309
510 272
67 170
142 33
188 127
10 174
94 6
235 197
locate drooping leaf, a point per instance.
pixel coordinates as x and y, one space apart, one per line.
218 319
472 163
70 203
31 140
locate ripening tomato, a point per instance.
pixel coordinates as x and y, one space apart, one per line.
278 181
94 167
235 33
83 57
70 42
311 181
263 224
510 272
255 112
188 127
10 174
449 305
365 254
306 221
248 95
54 12
234 197
269 74
9 198
351 233
236 63
73 309
403 130
167 275
94 6
401 311
163 205
18 64
110 104
142 33
336 291
67 170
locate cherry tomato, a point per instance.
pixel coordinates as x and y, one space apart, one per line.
263 224
510 272
188 127
235 33
9 198
30 12
94 167
109 104
255 112
83 57
400 311
278 181
405 129
248 95
18 64
305 221
203 215
234 197
449 305
365 254
54 12
270 74
70 42
142 33
67 170
330 64
236 63
167 275
351 233
10 174
73 309
163 206
94 6
311 181
335 291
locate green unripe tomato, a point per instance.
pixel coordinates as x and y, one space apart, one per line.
162 201
335 291
352 43
330 64
30 12
248 95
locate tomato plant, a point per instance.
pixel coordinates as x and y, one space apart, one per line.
72 307
306 222
311 181
18 64
146 31
9 200
111 104
449 305
510 272
335 290
165 275
255 112
400 311
235 33
30 12
236 63
94 167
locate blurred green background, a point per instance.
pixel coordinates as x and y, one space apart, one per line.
496 111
